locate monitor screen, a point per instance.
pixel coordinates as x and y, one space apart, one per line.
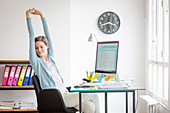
107 57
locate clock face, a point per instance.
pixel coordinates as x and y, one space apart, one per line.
108 22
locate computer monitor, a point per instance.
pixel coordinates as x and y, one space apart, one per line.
107 57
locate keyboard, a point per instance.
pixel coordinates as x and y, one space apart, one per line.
113 86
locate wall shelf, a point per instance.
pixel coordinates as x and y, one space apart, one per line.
15 62
19 110
16 87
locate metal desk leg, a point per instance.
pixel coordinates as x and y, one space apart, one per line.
126 102
80 102
133 101
105 102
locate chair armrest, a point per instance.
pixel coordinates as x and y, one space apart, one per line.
68 88
51 100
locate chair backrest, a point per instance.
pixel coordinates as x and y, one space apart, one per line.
37 86
50 100
48 103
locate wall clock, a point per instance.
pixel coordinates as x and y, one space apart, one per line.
109 22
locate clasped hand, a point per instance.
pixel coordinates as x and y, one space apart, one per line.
34 12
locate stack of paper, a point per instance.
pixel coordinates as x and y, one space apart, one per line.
6 104
26 105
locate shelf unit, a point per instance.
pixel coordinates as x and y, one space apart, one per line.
15 62
16 87
19 110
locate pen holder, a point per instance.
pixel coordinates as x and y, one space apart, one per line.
91 78
88 77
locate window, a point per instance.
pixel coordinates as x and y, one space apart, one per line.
158 49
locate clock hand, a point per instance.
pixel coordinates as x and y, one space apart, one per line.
111 23
104 24
107 24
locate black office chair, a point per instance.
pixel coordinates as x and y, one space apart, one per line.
50 100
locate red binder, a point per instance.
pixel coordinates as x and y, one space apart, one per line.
16 77
6 74
11 75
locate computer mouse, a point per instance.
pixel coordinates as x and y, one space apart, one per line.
86 86
77 86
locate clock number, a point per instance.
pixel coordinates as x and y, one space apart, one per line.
116 27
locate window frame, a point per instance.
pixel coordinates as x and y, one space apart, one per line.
152 38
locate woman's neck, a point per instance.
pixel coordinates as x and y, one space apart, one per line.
45 58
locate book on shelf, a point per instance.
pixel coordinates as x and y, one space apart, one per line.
26 105
22 75
11 75
5 107
16 77
27 76
2 68
6 74
6 104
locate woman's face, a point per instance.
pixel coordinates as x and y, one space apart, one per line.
41 49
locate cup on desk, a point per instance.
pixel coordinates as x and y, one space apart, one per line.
128 80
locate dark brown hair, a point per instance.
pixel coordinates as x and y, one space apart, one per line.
42 38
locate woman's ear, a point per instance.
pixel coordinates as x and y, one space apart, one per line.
47 47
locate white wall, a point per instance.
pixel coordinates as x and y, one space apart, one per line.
131 37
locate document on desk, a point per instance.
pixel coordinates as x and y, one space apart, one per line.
113 86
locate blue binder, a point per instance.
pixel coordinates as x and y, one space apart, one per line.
27 76
30 80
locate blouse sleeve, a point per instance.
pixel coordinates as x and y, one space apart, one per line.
32 52
48 36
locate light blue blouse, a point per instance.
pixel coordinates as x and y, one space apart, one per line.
40 66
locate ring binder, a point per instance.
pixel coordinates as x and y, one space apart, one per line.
6 74
11 75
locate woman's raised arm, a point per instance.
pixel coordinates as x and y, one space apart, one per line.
46 31
32 52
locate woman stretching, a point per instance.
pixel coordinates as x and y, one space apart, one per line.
41 56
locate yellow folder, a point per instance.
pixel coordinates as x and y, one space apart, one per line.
22 75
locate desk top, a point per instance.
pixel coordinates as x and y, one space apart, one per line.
110 89
105 90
